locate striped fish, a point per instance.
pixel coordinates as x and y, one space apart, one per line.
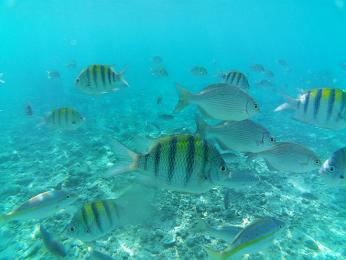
42 205
255 237
100 79
183 163
219 101
65 119
236 78
323 107
334 169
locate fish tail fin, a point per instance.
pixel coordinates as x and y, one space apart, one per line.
184 98
213 254
121 76
126 159
290 104
201 126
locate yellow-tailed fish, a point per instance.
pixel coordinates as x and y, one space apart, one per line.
322 107
289 157
51 244
334 168
183 163
241 136
99 79
254 238
64 119
236 78
220 101
42 205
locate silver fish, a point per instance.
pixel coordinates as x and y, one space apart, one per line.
258 68
269 74
199 71
255 237
289 157
43 205
241 136
334 169
52 245
219 101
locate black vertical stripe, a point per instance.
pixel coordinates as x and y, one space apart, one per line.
343 105
190 157
115 207
109 74
157 158
103 75
317 102
146 158
331 102
228 75
95 75
67 111
234 74
108 212
88 74
306 102
171 157
239 78
96 215
59 116
85 217
205 158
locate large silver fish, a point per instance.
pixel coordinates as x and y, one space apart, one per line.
220 101
241 136
255 237
323 107
289 157
334 169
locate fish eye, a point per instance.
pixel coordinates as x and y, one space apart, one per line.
223 168
318 162
72 229
77 80
67 196
272 139
331 168
255 106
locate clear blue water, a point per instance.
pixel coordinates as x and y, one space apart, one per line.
36 36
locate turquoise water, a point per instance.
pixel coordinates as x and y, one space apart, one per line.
39 36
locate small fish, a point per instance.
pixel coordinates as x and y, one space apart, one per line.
255 237
226 233
159 100
43 205
289 157
28 110
219 101
1 80
236 78
53 74
322 107
166 116
258 68
65 119
264 83
157 59
241 136
160 72
98 255
334 169
100 79
183 163
52 245
199 71
269 74
72 64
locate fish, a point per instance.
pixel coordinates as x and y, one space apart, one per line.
199 71
321 107
258 68
28 110
236 78
241 136
183 162
255 237
269 74
72 64
226 232
52 245
333 169
1 80
166 116
219 101
53 74
264 83
289 157
160 72
98 255
157 59
97 218
41 206
65 119
159 100
99 79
